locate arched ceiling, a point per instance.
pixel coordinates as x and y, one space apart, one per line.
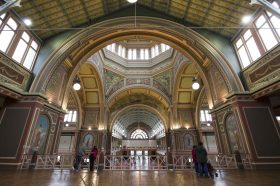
91 92
138 96
222 16
185 93
139 118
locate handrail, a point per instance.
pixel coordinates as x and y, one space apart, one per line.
127 162
57 161
154 162
218 161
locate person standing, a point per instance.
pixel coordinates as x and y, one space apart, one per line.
194 159
92 158
79 155
201 156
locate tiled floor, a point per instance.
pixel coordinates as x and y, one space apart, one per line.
131 178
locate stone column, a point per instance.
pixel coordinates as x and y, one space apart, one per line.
108 142
168 149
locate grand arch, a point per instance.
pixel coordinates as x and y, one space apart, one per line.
146 107
77 49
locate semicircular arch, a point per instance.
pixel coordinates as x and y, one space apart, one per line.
183 39
120 112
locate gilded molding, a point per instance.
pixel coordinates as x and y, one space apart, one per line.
12 73
263 72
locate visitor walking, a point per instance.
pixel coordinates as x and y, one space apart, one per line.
194 159
79 155
201 156
92 158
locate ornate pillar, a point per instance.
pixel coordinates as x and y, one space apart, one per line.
108 142
249 126
18 119
168 149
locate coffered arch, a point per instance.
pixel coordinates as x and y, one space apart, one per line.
138 95
91 86
183 92
146 110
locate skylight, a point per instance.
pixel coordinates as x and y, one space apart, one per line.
137 53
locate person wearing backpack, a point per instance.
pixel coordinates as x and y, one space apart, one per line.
201 157
92 158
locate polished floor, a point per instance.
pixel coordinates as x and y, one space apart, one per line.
131 178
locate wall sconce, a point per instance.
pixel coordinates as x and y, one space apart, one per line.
76 83
195 84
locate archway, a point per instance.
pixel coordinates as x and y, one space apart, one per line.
215 71
200 51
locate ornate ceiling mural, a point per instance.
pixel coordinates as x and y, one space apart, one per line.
165 80
111 78
139 96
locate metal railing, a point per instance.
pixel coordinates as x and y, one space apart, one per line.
146 162
61 161
218 161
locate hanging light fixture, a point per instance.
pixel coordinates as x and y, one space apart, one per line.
132 1
77 83
195 84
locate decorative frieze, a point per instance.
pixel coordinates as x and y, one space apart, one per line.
12 73
263 72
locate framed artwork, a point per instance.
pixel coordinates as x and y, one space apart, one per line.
232 133
188 141
40 134
88 141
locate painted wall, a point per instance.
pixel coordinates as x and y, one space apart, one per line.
49 46
11 130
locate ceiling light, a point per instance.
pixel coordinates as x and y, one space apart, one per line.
195 84
132 1
27 21
77 84
246 19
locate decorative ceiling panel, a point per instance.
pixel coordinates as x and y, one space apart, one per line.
92 97
185 97
89 83
186 83
216 15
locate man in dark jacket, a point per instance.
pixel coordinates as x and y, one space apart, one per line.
201 157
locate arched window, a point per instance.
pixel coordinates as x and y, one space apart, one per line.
139 134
